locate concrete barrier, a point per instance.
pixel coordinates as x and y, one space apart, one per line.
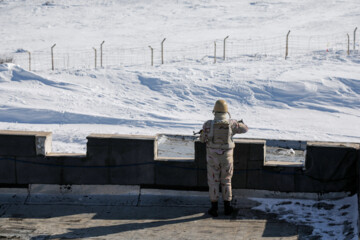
131 160
26 159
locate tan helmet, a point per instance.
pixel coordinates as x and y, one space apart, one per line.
220 106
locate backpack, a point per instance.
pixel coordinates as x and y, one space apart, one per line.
220 135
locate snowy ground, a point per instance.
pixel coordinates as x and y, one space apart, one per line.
313 95
331 219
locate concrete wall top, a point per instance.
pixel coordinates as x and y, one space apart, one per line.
312 143
282 164
248 140
334 144
123 136
26 133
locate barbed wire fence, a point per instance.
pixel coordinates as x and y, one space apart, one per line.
203 52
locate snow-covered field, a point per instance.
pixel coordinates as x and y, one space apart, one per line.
313 95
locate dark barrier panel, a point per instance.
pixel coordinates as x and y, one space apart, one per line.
76 170
49 169
7 170
37 170
130 159
248 155
328 168
17 145
280 179
176 173
250 172
200 159
24 144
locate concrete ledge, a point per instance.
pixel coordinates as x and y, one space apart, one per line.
84 194
283 164
117 195
175 159
253 193
166 198
13 195
249 140
65 155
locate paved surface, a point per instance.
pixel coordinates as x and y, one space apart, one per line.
129 212
139 222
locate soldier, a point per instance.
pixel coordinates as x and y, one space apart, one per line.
217 134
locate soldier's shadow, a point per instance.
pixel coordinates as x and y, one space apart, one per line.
274 228
123 220
99 231
132 218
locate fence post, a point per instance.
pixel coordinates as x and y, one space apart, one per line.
214 51
162 51
101 54
152 56
224 46
348 45
95 56
52 56
287 45
355 37
29 61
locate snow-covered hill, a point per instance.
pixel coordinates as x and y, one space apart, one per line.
313 95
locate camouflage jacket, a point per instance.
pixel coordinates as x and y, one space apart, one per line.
234 126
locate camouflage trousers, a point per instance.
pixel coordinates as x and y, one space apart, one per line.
219 170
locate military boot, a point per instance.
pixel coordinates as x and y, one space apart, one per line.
213 211
227 208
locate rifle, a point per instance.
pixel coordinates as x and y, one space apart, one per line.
196 133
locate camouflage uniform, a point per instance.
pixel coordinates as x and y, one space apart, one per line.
217 134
